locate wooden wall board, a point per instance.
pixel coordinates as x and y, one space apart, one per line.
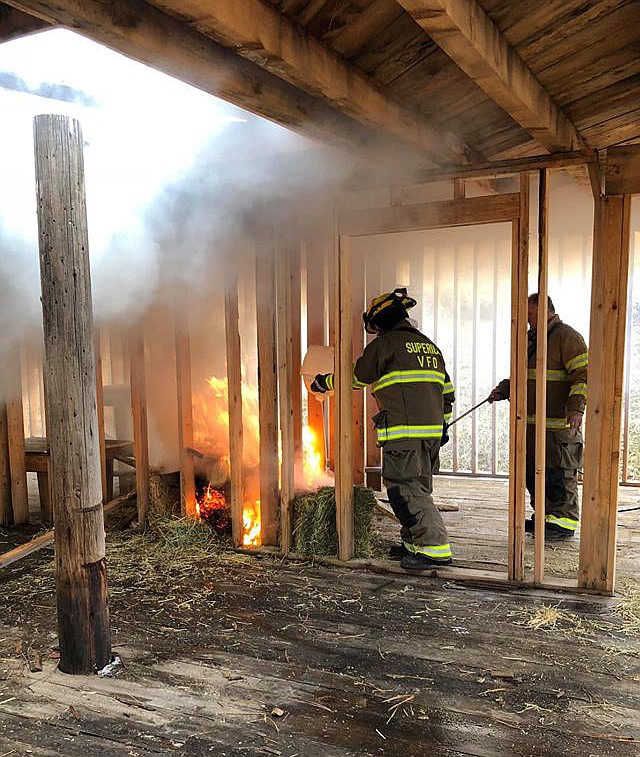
267 388
473 210
185 412
233 354
343 399
603 414
518 399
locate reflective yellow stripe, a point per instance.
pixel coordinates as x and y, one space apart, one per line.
579 361
448 388
447 417
329 381
355 383
578 389
408 377
567 523
551 422
551 375
409 432
438 551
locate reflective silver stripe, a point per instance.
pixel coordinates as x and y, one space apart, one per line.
551 375
579 361
409 432
408 377
552 423
567 523
438 551
578 389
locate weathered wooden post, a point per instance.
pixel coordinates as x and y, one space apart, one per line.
70 379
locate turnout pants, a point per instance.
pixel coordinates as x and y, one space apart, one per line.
407 471
563 458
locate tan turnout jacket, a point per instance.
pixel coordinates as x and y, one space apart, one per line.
408 378
567 359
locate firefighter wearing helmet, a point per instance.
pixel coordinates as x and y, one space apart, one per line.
408 378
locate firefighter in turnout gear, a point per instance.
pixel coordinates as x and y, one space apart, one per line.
408 378
567 359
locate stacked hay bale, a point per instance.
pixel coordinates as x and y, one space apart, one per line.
314 522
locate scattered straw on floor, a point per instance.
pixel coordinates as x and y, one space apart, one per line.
629 608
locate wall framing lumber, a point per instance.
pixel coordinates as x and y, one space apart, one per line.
185 412
541 374
15 430
81 578
285 393
142 32
295 299
343 398
357 346
497 168
463 30
315 258
622 171
267 390
261 34
6 511
603 416
432 215
234 400
518 399
138 384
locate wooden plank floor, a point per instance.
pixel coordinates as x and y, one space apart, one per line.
234 655
478 530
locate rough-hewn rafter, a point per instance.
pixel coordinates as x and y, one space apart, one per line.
341 95
464 31
14 23
259 33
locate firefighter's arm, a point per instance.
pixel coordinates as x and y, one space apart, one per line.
366 370
449 397
575 358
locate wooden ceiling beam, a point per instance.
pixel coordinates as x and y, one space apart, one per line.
146 34
15 23
257 32
468 36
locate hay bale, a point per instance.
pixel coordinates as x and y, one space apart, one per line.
314 522
164 495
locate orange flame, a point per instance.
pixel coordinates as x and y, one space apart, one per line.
252 524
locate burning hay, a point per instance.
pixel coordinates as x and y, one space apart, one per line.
314 528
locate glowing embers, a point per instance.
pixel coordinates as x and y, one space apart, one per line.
211 507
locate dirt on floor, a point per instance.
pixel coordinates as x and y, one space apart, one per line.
230 654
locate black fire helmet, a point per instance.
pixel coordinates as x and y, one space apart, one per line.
387 309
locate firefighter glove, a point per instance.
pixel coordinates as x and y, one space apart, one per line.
320 383
445 435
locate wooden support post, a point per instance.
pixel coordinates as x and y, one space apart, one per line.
458 189
332 274
357 336
606 367
285 394
267 393
343 382
541 373
6 511
373 275
314 270
15 429
295 297
138 386
518 403
185 413
100 408
234 399
70 380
